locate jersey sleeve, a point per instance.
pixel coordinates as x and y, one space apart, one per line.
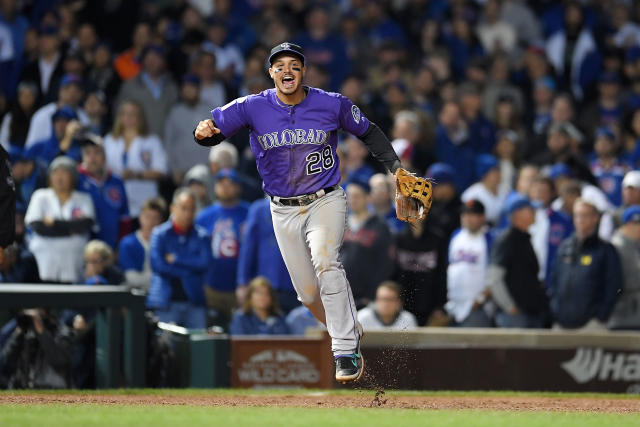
351 118
35 210
232 117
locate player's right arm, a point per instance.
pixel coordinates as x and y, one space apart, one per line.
207 134
225 122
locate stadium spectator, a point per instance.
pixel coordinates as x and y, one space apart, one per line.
386 312
16 24
383 202
513 272
300 319
28 174
128 63
573 52
559 151
355 167
551 226
607 167
367 246
133 250
496 34
198 180
421 269
507 145
15 123
586 275
607 110
452 145
106 190
136 155
38 354
224 223
260 256
229 59
180 253
61 219
46 70
446 201
152 88
69 95
103 75
62 141
626 314
225 156
487 189
469 250
99 268
408 135
95 105
482 133
182 153
323 46
260 314
630 195
213 92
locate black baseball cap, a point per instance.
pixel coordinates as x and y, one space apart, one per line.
473 206
287 47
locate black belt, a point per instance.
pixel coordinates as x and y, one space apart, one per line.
305 199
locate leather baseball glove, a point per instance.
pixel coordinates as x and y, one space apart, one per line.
413 196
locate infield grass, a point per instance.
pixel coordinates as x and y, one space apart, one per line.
157 416
69 415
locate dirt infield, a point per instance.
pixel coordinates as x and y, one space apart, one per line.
358 400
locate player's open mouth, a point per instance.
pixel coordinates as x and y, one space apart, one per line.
288 81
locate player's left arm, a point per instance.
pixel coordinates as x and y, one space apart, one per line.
353 121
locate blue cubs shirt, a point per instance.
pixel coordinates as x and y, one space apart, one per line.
610 179
294 146
225 226
110 201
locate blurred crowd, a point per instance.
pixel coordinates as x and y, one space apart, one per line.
525 114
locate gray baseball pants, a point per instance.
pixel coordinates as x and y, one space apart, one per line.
310 238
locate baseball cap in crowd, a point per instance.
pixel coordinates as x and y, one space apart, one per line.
89 138
558 170
68 79
441 173
484 163
609 77
360 182
64 162
606 132
198 173
631 179
507 134
48 30
191 78
631 214
516 203
546 82
473 206
287 47
64 112
155 48
228 173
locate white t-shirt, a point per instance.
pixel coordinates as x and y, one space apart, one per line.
369 321
467 271
145 153
492 202
41 126
59 258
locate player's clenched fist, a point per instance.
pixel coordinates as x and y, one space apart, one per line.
206 129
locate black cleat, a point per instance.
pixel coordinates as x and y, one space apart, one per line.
349 367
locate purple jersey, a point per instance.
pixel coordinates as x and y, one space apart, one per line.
294 146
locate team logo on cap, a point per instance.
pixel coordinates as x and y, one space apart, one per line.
355 112
285 45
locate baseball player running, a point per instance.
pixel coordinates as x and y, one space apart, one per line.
293 138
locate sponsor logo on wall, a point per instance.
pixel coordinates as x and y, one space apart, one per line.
595 364
278 367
